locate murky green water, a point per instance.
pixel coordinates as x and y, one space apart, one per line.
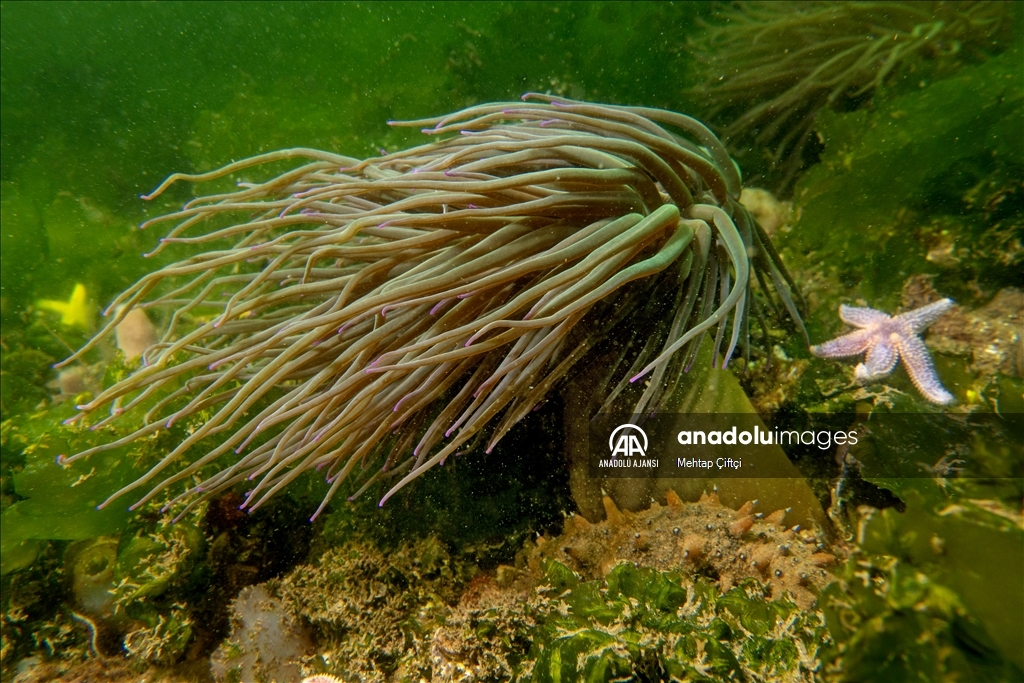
895 181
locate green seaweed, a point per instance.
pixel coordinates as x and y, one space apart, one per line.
921 152
59 503
640 622
895 623
942 539
914 173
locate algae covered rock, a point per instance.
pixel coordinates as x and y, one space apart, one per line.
642 623
266 642
928 182
704 538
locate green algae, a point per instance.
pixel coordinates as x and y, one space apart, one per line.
892 622
59 503
924 183
639 622
942 539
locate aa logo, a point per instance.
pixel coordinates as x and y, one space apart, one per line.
624 441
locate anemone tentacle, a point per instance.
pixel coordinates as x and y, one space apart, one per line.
374 317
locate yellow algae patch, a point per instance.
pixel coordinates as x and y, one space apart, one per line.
75 312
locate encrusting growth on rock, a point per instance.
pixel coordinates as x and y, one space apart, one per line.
706 538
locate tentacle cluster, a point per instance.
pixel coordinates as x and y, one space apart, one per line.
373 317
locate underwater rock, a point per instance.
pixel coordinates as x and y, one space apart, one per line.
266 642
372 612
487 635
992 335
648 580
91 567
135 334
75 380
705 538
772 214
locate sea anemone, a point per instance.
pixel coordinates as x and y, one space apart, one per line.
376 317
769 68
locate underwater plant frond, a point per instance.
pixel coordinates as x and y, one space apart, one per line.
370 319
768 68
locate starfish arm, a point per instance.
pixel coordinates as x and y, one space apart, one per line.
920 318
922 373
852 344
881 358
861 317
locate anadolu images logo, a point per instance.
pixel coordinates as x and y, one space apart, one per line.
627 444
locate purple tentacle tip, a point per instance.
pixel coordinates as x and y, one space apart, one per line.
61 459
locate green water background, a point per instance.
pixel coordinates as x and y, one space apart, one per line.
102 101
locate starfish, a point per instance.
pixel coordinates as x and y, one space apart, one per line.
886 339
